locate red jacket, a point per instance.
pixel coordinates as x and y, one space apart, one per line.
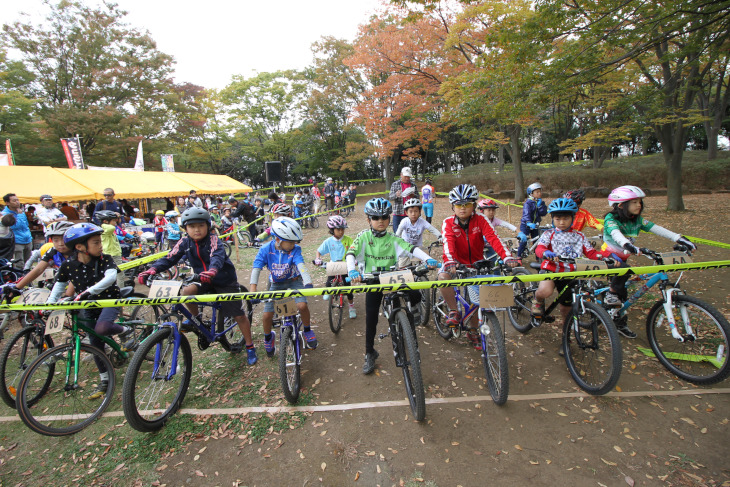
467 246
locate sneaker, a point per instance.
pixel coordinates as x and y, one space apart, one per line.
189 325
611 299
252 358
537 308
310 340
454 319
326 297
369 365
353 313
474 338
100 390
624 329
128 330
270 345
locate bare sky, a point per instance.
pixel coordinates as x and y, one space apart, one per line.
211 40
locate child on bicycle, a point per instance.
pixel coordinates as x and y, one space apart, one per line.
532 212
583 218
108 220
173 234
277 210
206 254
336 246
226 220
215 219
464 236
93 275
411 229
621 227
378 250
159 223
488 208
283 257
561 241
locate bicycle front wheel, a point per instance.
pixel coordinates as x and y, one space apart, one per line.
314 222
411 365
592 349
154 389
701 355
289 369
424 307
520 315
17 355
494 358
440 314
68 404
335 310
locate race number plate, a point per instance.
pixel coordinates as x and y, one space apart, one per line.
336 268
589 265
164 289
496 296
47 275
36 296
675 258
55 322
397 277
285 307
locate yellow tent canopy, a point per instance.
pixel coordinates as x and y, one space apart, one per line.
212 183
129 184
30 182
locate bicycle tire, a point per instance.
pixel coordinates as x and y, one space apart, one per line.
148 314
335 310
244 238
520 314
289 369
710 330
440 313
494 359
39 416
234 335
314 222
425 304
143 388
601 358
410 365
17 355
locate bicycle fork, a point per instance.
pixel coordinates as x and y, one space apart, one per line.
669 314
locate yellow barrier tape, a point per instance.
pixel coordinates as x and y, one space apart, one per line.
325 212
477 281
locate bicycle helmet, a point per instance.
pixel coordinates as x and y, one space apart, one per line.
281 209
336 221
195 215
286 228
105 215
428 181
563 205
172 214
625 193
160 213
378 207
80 233
212 208
577 195
58 228
533 187
411 203
485 203
46 197
463 193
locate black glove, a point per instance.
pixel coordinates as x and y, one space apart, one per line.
631 248
686 242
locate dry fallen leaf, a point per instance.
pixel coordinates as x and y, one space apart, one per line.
618 449
323 466
608 463
629 480
518 447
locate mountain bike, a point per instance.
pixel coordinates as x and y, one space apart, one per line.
307 219
154 389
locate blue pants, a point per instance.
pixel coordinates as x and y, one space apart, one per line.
530 235
396 221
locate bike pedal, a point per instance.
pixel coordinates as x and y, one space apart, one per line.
549 319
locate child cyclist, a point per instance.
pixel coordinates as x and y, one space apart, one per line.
93 275
532 212
112 247
427 196
488 208
173 234
411 229
464 236
277 210
583 218
561 241
336 246
159 222
207 256
376 249
621 226
283 257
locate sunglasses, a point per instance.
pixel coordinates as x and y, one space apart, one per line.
463 205
108 194
378 218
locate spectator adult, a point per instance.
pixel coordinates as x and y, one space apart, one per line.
180 207
329 194
195 200
316 197
353 194
7 237
169 205
48 213
70 212
109 204
128 208
21 229
400 191
83 212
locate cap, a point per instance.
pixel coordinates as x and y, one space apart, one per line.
406 171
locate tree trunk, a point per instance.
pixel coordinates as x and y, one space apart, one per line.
713 132
673 137
514 137
600 152
500 158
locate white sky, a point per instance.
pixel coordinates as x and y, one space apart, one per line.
211 40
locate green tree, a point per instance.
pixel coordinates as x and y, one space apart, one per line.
16 107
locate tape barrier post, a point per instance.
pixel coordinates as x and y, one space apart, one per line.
415 286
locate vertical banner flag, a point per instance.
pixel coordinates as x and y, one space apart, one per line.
139 163
9 150
167 163
72 149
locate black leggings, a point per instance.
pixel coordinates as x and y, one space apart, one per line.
372 313
329 284
618 283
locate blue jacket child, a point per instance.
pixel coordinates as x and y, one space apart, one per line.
532 212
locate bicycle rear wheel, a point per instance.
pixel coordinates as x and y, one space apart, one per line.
440 314
494 358
335 310
424 307
234 335
289 368
592 349
17 355
314 222
411 365
64 407
154 389
520 314
702 358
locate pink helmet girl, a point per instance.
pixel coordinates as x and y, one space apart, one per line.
625 193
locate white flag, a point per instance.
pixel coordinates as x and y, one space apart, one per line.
139 163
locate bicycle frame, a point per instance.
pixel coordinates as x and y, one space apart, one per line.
210 334
295 324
